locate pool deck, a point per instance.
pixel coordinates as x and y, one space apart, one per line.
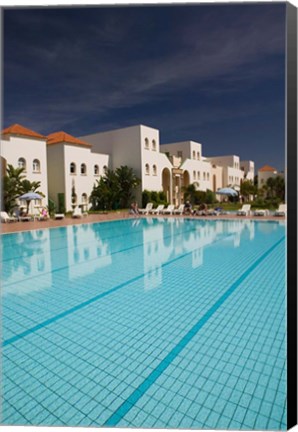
93 218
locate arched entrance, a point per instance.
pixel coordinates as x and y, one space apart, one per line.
166 183
186 179
214 183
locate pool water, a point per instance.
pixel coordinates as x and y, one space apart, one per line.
146 323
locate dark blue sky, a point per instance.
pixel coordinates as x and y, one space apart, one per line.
210 73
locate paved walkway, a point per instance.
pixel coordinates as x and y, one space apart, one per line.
27 226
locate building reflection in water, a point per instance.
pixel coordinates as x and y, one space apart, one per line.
34 260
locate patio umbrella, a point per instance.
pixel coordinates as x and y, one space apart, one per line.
227 191
29 196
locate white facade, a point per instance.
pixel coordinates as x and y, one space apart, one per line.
231 171
68 165
137 147
72 167
30 153
249 169
192 162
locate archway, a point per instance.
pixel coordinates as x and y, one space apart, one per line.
186 180
166 183
214 183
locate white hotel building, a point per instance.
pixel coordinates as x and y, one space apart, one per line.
70 166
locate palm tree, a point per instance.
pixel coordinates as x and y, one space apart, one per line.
190 192
105 194
12 187
127 182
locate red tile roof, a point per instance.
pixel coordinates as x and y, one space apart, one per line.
63 137
17 129
267 168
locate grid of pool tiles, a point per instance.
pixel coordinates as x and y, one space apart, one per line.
146 323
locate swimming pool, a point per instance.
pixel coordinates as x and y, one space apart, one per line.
156 323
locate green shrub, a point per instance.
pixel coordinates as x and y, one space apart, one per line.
154 197
51 207
146 198
61 203
162 197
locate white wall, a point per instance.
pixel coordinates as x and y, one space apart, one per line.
249 169
153 158
123 146
200 172
186 147
28 148
232 174
83 182
127 147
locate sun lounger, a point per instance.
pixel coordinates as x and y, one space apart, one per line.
25 218
169 209
147 209
180 209
261 212
59 216
281 211
158 209
244 211
6 218
212 212
77 213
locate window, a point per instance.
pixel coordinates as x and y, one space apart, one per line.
36 165
146 143
194 175
96 170
73 168
180 154
22 163
74 198
154 170
208 176
83 169
105 169
193 154
198 155
204 176
84 198
154 145
147 169
199 175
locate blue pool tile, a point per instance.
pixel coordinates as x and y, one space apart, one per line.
105 347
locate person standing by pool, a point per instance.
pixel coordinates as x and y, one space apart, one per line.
134 209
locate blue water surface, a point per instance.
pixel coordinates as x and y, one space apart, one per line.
146 323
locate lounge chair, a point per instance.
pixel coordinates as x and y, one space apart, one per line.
281 211
180 209
261 212
25 218
169 209
77 213
6 218
59 216
147 209
244 211
212 212
158 209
